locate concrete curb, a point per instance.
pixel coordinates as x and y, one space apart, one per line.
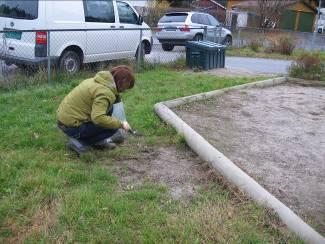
227 168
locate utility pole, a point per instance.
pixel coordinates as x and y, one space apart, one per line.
315 26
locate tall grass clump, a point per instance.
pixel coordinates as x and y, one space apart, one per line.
255 45
21 80
284 45
309 66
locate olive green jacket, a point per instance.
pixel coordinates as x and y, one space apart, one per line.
90 101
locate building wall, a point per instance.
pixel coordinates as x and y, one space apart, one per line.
230 3
213 9
298 17
301 7
302 16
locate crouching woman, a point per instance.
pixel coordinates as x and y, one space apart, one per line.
85 114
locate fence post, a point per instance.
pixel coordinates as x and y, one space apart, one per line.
48 57
238 37
139 54
205 33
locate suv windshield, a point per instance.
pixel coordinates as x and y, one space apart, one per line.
173 17
27 9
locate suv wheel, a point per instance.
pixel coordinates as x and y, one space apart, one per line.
227 41
198 37
70 62
167 47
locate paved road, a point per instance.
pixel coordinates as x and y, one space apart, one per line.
258 65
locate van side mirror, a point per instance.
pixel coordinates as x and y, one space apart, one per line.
140 20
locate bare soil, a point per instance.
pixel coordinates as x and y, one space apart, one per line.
276 135
178 168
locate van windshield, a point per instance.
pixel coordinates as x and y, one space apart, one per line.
27 9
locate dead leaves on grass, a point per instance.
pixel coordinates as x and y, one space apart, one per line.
44 219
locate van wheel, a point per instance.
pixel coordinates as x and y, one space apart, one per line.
141 57
167 47
70 62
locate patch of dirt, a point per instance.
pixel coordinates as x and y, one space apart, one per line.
178 168
276 135
234 72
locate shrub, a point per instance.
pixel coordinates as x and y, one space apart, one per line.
286 45
308 66
255 45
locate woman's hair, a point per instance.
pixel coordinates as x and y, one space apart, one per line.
123 76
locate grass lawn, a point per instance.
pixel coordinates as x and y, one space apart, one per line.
47 194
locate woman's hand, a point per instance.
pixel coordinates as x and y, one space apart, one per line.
126 126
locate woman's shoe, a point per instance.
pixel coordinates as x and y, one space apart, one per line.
77 146
118 137
105 144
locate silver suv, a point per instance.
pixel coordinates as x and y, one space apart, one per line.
175 29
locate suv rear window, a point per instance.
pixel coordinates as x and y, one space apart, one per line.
27 9
173 17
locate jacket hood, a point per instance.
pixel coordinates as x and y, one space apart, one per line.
105 78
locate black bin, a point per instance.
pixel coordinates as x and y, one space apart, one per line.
205 55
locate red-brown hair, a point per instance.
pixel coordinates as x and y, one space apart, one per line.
123 75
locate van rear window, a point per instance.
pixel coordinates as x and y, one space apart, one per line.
173 17
27 9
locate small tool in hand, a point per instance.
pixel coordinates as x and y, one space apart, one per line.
135 132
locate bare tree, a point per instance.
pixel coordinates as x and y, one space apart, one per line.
156 10
270 11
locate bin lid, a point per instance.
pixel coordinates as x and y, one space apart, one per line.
207 45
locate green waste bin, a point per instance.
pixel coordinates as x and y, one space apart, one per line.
205 55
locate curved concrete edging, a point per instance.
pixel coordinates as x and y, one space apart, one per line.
227 168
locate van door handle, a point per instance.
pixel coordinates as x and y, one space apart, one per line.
121 27
113 26
12 48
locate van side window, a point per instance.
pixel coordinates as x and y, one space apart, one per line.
126 13
27 9
99 11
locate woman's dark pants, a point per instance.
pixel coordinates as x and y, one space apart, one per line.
88 133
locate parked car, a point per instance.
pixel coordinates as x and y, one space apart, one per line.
175 29
108 34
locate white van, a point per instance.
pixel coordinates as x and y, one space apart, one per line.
109 35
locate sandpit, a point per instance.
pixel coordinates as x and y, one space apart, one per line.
276 135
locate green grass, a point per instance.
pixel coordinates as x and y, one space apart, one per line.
49 195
